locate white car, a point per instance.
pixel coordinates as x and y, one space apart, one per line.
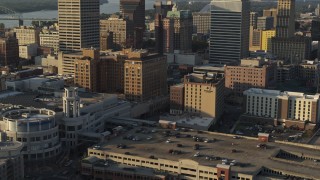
196 154
168 141
149 137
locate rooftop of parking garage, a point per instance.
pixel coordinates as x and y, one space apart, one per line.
114 167
250 159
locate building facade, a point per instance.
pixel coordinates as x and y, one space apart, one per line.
266 39
177 99
36 129
134 12
111 73
67 60
120 31
9 50
293 50
28 51
255 39
178 31
273 12
85 73
285 18
145 76
78 24
201 23
27 35
84 118
265 23
50 38
229 32
283 106
253 19
251 73
11 160
204 95
285 45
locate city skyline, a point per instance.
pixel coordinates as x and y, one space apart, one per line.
188 90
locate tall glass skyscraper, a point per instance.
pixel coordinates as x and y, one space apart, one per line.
229 31
78 24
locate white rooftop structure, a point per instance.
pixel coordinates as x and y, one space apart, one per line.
279 94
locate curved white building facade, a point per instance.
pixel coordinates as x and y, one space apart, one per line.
36 129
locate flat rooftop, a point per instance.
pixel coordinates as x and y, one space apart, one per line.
28 117
278 93
250 159
189 121
36 100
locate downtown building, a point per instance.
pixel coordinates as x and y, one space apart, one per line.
134 12
36 129
78 24
229 32
177 31
49 38
285 108
111 72
27 35
84 116
119 30
204 95
201 22
161 10
82 66
9 49
273 12
145 76
285 45
251 73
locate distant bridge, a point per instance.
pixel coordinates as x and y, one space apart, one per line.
13 15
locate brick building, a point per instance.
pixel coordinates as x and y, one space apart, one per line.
177 99
145 76
252 73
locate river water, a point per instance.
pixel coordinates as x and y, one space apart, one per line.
108 8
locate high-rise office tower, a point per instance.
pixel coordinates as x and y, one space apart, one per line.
286 45
78 24
134 11
285 18
182 30
229 31
201 22
161 11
